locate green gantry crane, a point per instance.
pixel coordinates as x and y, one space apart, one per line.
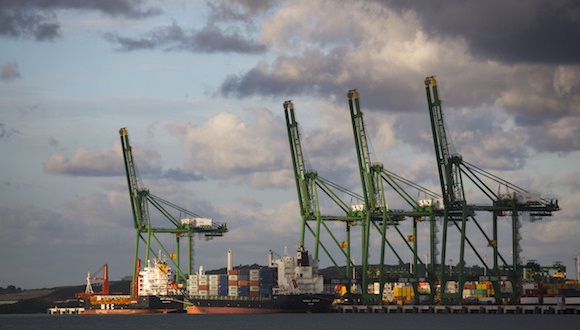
308 183
185 223
378 215
454 173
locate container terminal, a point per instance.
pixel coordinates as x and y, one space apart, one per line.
440 223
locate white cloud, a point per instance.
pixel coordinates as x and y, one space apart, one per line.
250 150
86 162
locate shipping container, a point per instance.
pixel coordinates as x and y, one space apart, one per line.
529 300
481 286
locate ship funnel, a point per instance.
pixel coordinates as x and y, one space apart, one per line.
230 260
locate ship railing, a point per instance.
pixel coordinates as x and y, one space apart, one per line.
237 298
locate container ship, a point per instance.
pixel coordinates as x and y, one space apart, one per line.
156 292
290 284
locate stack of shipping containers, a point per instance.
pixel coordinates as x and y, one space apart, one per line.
237 283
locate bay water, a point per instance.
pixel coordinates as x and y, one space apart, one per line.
293 321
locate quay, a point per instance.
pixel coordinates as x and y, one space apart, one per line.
459 309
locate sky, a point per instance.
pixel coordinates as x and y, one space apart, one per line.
199 85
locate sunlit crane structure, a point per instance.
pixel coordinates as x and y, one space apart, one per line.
374 179
308 183
454 173
369 212
181 221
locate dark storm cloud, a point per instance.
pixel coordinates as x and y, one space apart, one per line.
7 132
227 30
37 18
317 73
210 39
534 31
239 10
9 71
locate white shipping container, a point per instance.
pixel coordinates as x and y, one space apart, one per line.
467 293
232 277
572 300
551 300
214 277
203 292
255 272
254 288
202 222
526 197
529 300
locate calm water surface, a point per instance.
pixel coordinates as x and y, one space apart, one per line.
293 321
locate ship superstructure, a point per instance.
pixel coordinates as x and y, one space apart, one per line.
297 274
156 293
157 279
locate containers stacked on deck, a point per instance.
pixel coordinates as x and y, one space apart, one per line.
237 283
205 285
266 277
244 283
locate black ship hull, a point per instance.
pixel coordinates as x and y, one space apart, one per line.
299 303
141 305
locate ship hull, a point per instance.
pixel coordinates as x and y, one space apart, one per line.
300 303
127 311
143 305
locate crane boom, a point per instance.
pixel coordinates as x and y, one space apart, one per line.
139 215
370 172
446 162
303 177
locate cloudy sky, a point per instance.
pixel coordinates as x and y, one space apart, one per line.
200 86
